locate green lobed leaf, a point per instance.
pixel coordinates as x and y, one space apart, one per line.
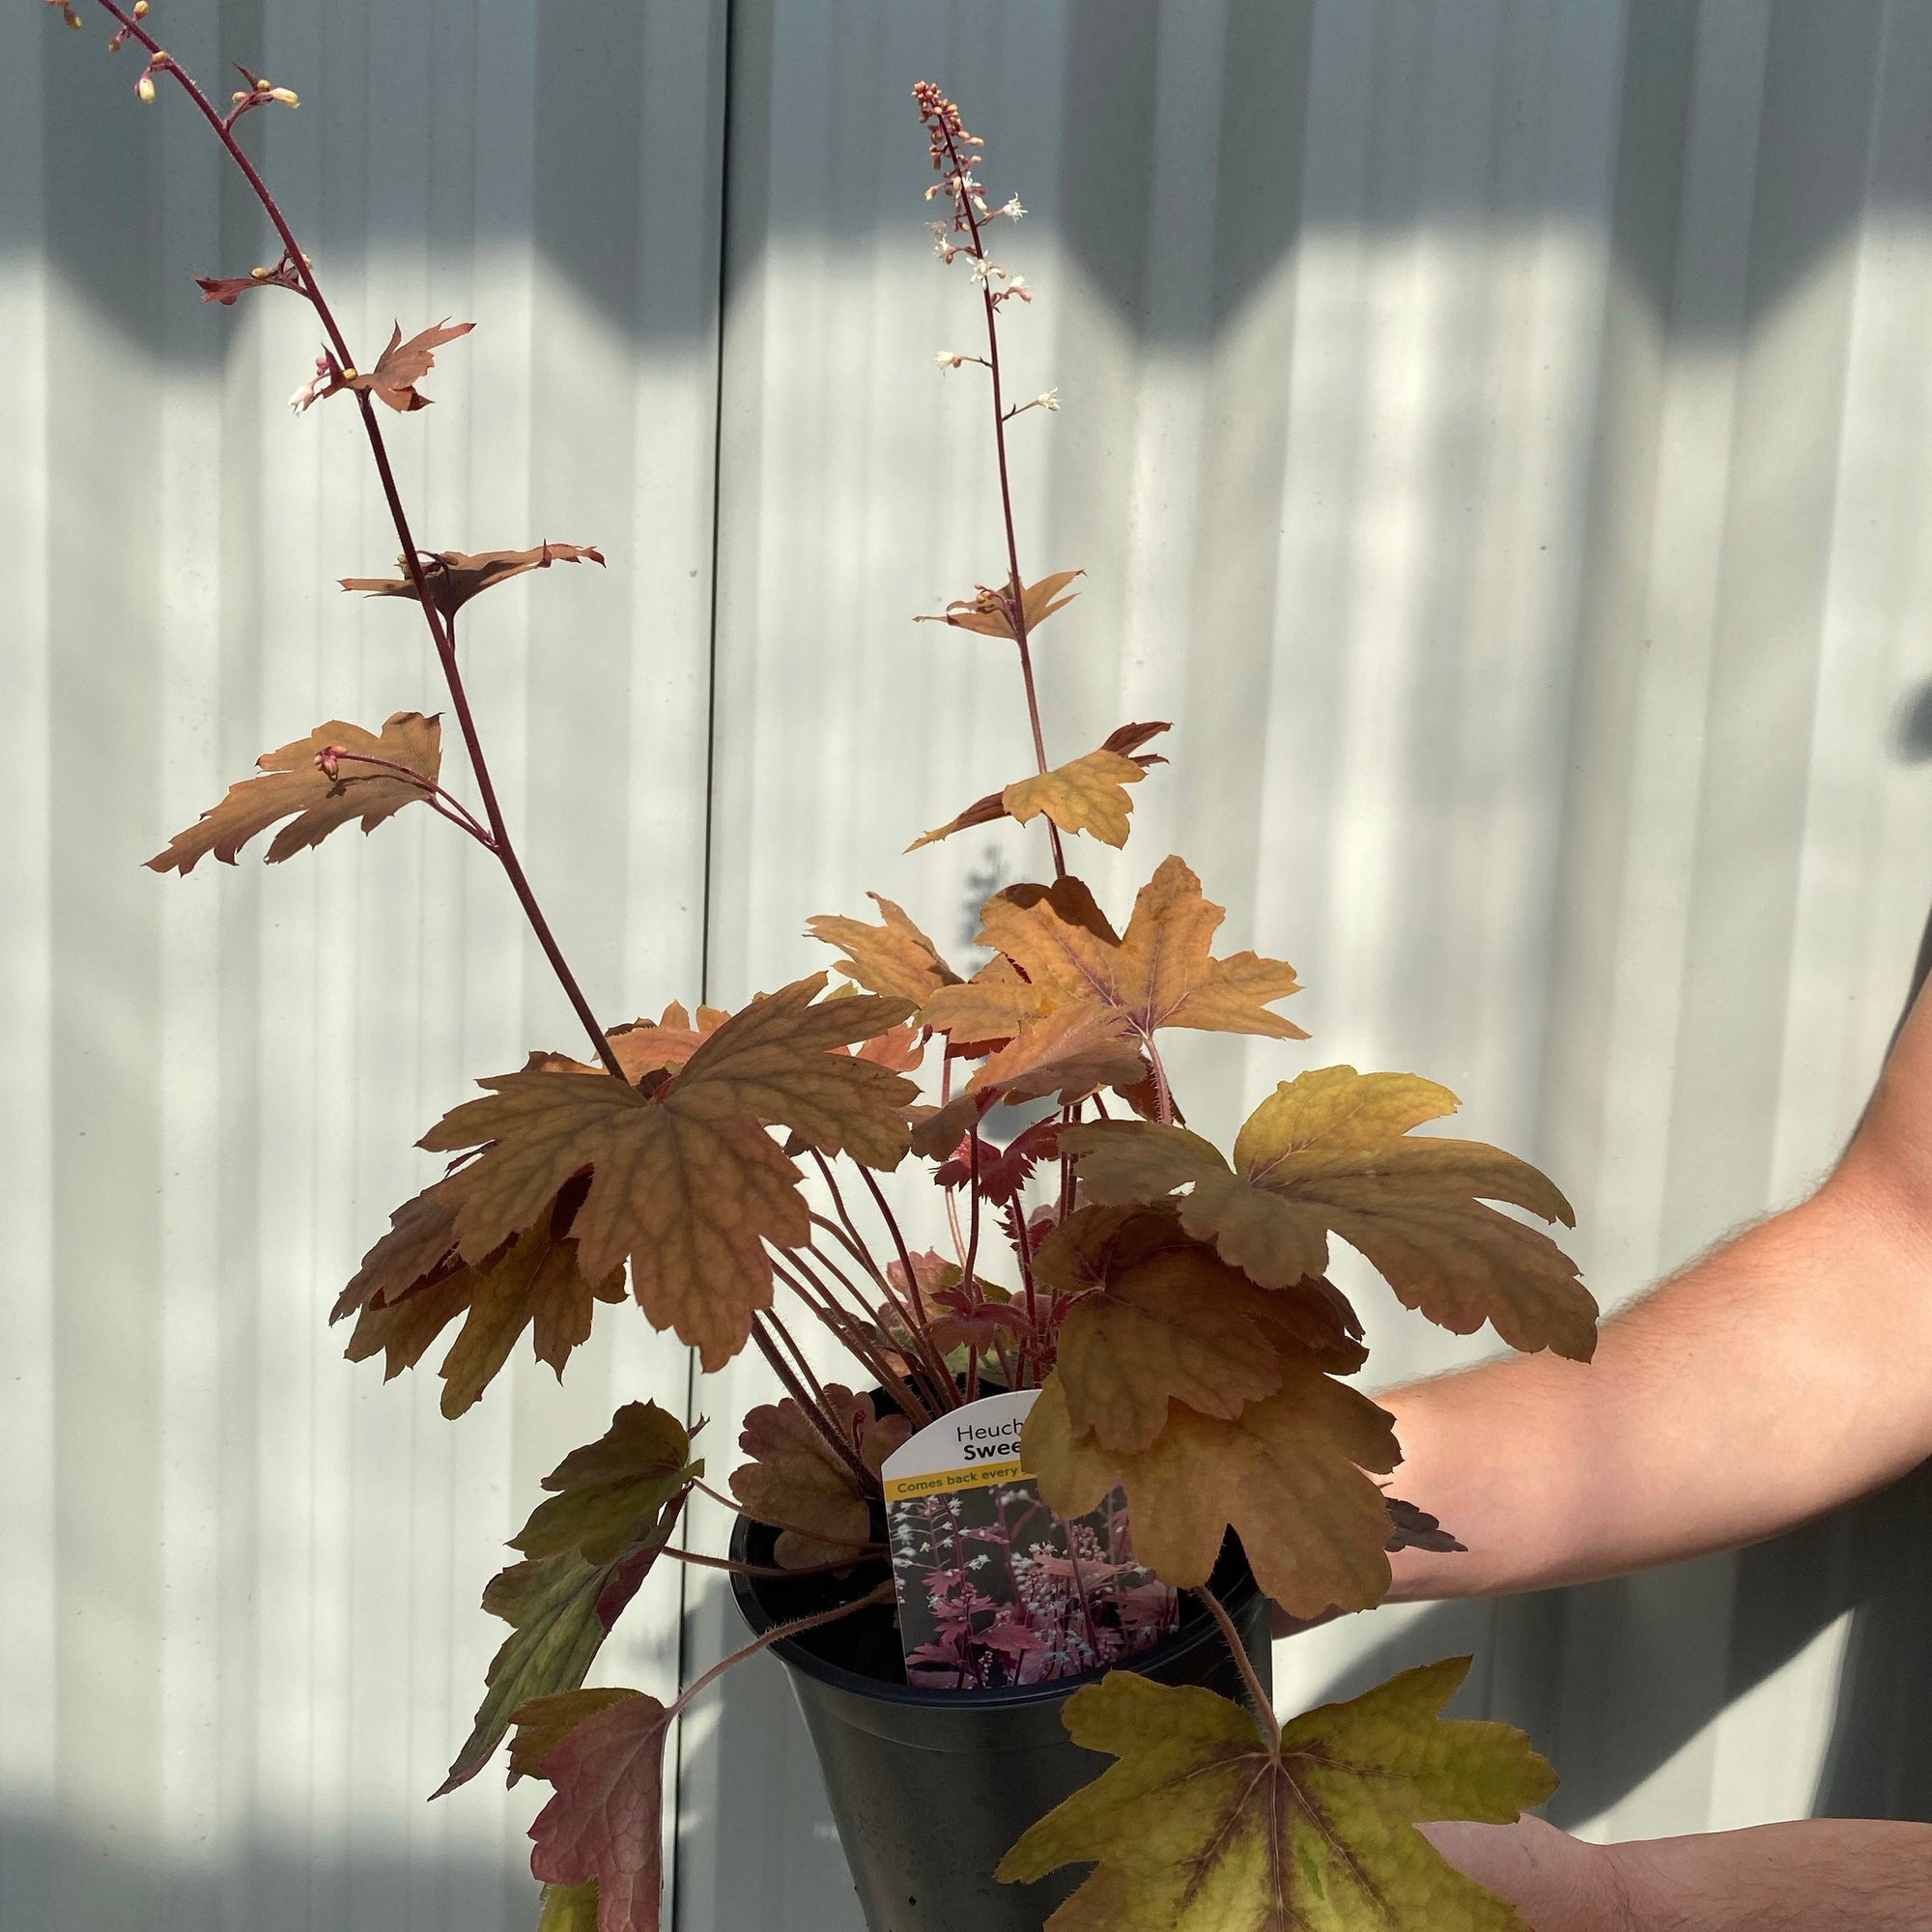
595 1541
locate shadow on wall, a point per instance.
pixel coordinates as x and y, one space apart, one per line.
56 1877
1872 1560
1073 80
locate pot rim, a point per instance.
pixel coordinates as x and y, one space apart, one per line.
1232 1582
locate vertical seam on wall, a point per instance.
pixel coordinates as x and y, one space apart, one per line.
676 1902
717 496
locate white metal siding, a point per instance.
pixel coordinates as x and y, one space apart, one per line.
1496 437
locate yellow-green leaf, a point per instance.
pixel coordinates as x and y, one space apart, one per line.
569 1907
1332 1153
321 781
1204 1824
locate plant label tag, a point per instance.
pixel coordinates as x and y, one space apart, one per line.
994 1589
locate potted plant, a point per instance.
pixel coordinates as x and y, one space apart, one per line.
1165 1306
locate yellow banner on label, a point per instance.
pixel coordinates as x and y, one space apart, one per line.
943 1482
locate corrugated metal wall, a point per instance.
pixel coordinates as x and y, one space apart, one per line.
1496 437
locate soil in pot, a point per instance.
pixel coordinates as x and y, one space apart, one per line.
929 1788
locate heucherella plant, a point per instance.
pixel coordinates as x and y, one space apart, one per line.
1169 1302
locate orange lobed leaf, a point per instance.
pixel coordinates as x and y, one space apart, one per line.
454 577
893 957
987 611
796 1484
1332 1153
982 1014
402 365
1070 1052
685 1180
653 1046
1159 1319
1160 973
316 781
414 1283
1087 795
899 1051
1208 1824
1287 1474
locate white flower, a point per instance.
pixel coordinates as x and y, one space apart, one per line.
1010 207
984 271
1049 401
306 396
948 359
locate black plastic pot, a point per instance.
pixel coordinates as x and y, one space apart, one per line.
929 1788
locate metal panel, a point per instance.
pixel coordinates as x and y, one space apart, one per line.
241 1576
1494 434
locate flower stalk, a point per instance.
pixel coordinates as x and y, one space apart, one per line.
441 635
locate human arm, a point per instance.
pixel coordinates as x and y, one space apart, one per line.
1820 1875
1784 1373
